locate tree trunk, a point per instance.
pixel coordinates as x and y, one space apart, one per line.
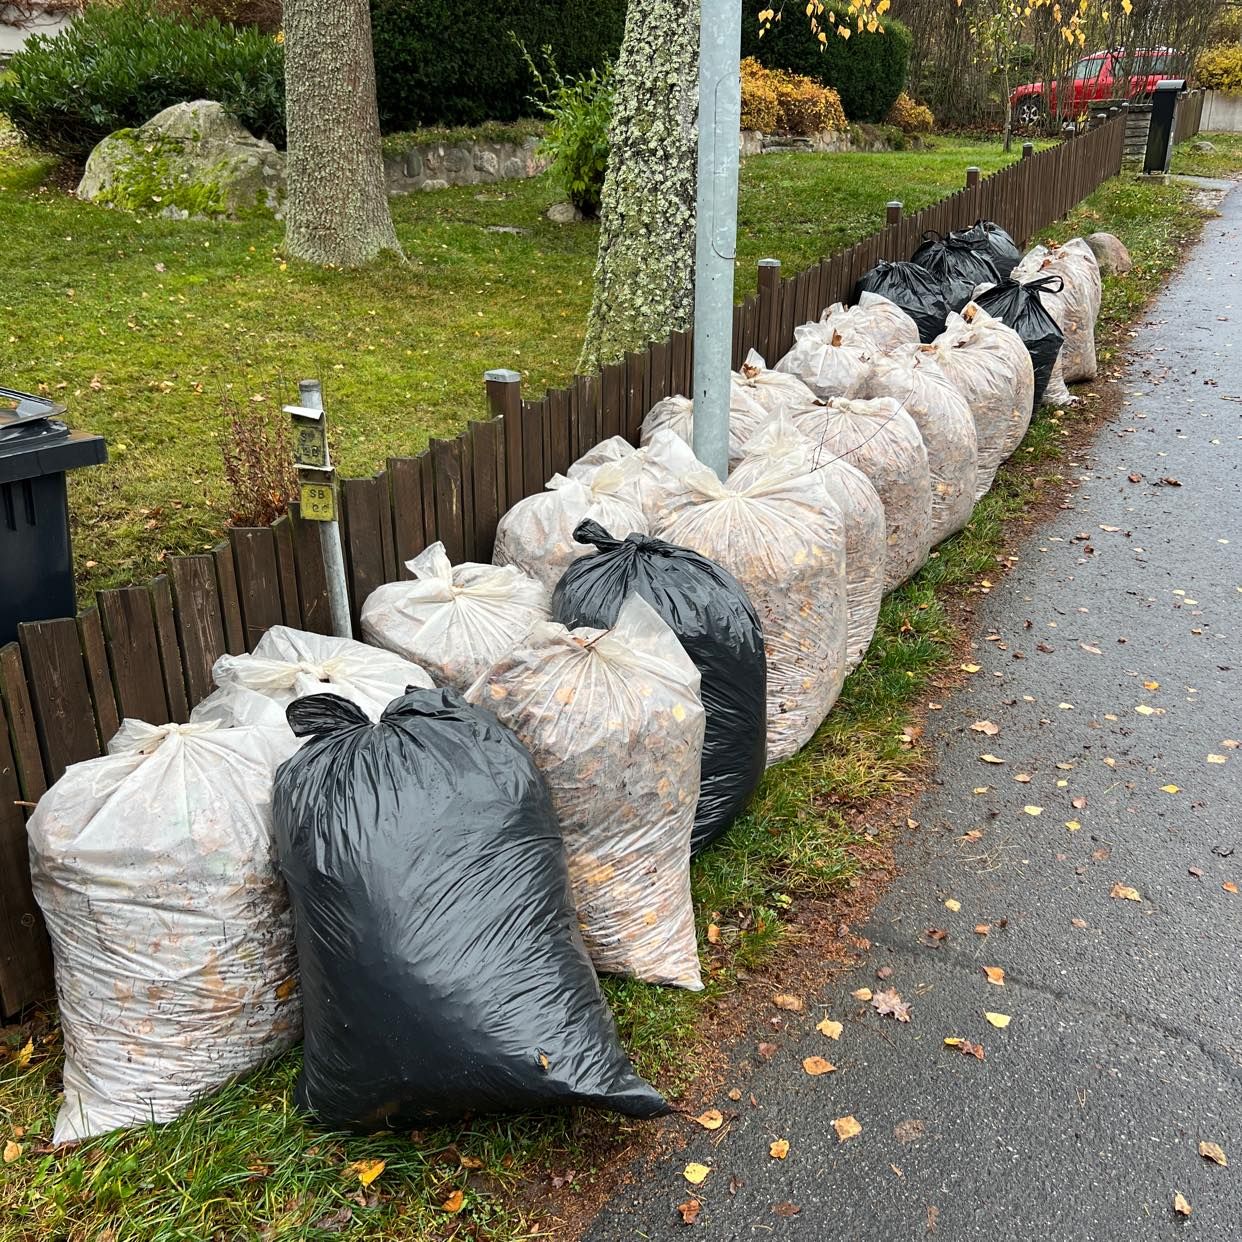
337 210
644 272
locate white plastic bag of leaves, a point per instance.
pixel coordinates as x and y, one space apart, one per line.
676 414
665 461
286 664
175 965
614 722
781 446
454 620
827 361
912 377
1075 308
783 538
875 320
882 440
775 392
992 369
537 533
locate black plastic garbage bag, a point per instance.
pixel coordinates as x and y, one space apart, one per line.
911 287
708 610
990 239
1019 306
442 969
958 266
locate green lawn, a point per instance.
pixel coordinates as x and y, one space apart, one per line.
146 328
1225 161
243 1165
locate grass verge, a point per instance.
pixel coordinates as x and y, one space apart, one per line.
1225 161
243 1165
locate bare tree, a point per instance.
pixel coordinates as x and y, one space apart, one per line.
337 212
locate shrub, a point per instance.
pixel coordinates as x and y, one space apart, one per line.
116 67
910 116
759 103
776 101
868 69
579 111
459 62
1220 68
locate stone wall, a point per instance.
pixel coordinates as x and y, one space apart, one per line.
437 165
753 142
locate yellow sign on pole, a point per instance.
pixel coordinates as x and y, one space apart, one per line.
317 500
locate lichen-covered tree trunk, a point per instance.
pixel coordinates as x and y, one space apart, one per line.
644 274
337 209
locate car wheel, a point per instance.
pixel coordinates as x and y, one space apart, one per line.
1029 114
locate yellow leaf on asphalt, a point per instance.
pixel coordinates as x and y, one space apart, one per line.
1181 1205
1033 810
846 1127
1144 710
1151 685
11 1151
1073 825
713 1119
1125 892
1000 1020
454 1202
1171 788
1065 767
980 789
695 1174
1229 886
990 758
830 1028
986 726
953 1041
982 929
778 1149
995 975
862 994
366 1170
1066 707
817 1065
1217 759
784 1001
953 905
969 668
1023 778
1214 1152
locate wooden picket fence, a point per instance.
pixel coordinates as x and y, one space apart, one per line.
147 651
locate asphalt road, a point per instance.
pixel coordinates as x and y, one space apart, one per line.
1124 1048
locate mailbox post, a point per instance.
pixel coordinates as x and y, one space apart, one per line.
317 495
1163 124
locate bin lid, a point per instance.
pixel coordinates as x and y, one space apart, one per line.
34 441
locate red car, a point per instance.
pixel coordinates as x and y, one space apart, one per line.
1095 77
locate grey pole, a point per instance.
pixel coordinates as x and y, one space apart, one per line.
720 115
310 394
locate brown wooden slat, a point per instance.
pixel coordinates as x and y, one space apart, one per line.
24 734
282 532
25 955
200 627
406 483
133 652
230 608
534 468
486 468
446 456
469 551
612 396
95 661
312 578
560 453
635 395
362 517
427 470
548 412
60 694
258 581
661 354
170 649
679 380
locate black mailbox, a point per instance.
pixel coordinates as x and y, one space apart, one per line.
1163 121
36 448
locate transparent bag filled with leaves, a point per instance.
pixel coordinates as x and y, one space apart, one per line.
992 370
827 361
716 624
874 321
665 460
914 379
443 973
958 265
454 620
882 441
170 926
781 447
911 287
255 689
614 722
537 533
773 391
676 414
783 539
1075 307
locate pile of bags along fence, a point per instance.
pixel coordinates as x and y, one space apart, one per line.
416 853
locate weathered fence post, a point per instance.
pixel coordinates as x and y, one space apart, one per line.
504 399
972 177
769 306
892 212
1028 149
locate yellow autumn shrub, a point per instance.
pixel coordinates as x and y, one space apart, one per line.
776 101
759 106
910 116
1220 68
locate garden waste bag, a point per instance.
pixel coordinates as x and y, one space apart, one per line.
443 972
1020 306
706 607
911 287
875 321
990 239
957 265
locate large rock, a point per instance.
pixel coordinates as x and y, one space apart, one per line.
1110 253
192 160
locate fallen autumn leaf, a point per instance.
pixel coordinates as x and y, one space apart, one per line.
830 1028
785 1001
778 1149
713 1119
846 1127
1181 1205
454 1202
817 1065
889 1003
986 726
695 1174
689 1211
1213 1152
998 1020
995 975
1125 892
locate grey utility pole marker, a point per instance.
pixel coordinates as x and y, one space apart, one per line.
317 493
720 116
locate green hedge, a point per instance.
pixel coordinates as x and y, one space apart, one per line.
868 70
442 63
114 68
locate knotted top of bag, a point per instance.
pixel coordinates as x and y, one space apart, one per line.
322 715
138 737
